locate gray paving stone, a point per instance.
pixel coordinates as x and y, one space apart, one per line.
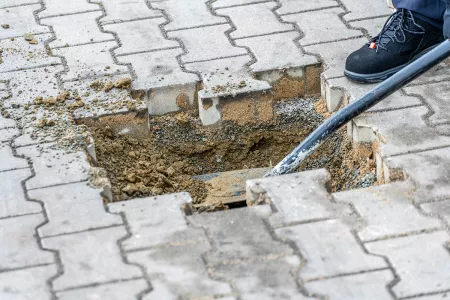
441 208
65 217
239 234
276 52
295 6
13 201
436 96
113 291
19 54
373 26
329 249
89 61
158 69
429 170
7 134
19 245
125 10
354 91
56 8
167 224
8 161
76 29
26 85
26 284
300 197
335 54
254 20
53 167
368 286
5 122
415 255
408 133
141 36
184 14
387 210
369 9
226 3
265 280
160 290
218 45
20 20
441 72
182 270
91 257
322 26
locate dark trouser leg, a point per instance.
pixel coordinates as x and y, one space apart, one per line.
430 11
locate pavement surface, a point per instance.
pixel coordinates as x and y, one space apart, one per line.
296 240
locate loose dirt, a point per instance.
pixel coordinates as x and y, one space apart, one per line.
142 162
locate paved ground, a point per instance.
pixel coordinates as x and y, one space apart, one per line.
296 240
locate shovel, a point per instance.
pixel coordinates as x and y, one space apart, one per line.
384 89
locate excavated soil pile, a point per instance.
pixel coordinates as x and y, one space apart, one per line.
142 162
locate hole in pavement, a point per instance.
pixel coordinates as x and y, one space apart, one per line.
146 156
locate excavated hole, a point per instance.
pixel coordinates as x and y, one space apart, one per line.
142 162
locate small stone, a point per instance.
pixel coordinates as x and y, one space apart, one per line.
108 86
49 101
131 177
38 100
123 83
170 171
5 26
63 96
28 37
33 42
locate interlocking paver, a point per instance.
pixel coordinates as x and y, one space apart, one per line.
182 269
240 235
26 85
65 217
56 8
254 20
408 133
264 280
276 52
295 6
167 225
381 208
19 245
53 167
436 96
20 20
8 161
306 199
76 29
441 208
368 286
13 198
217 45
322 26
19 54
89 60
334 55
26 284
147 32
184 14
429 170
125 10
91 257
330 250
373 26
415 255
361 10
7 134
113 291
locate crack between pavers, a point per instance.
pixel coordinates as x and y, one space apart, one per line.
197 27
32 68
334 41
19 5
406 234
347 24
340 275
264 34
70 14
216 58
80 78
369 18
81 231
417 151
242 4
428 82
20 215
21 36
83 44
309 10
56 184
147 51
97 284
118 21
15 169
419 296
25 267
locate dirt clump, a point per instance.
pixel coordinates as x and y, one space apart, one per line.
164 155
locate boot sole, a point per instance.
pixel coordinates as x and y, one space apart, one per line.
378 77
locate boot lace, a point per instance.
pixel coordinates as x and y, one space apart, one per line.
394 29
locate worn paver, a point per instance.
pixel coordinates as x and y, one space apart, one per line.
410 258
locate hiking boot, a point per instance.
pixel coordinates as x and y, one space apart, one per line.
402 40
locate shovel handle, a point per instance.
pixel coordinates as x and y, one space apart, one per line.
380 92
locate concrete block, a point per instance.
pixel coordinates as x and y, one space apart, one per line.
91 258
322 26
141 36
65 217
19 245
410 257
329 249
20 20
163 100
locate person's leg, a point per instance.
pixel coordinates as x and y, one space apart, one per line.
430 11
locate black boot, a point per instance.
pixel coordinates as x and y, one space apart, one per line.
402 40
